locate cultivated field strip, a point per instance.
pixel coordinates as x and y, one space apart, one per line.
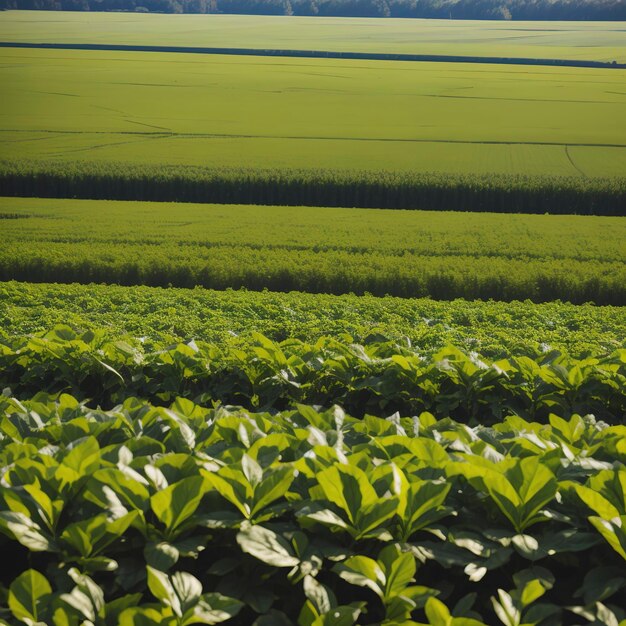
599 41
495 329
307 512
378 378
405 253
212 110
238 465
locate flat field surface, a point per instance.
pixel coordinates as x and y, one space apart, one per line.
494 329
226 111
404 253
593 41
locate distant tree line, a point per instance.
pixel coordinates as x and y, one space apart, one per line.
455 9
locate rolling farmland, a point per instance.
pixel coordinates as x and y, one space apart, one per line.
229 394
307 118
251 112
593 41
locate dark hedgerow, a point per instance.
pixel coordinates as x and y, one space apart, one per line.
368 189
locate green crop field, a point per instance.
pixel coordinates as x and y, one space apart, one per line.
285 410
595 41
495 329
226 111
167 504
404 253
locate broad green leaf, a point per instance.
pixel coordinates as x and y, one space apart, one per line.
531 592
28 596
273 486
363 572
129 490
601 583
178 502
323 516
24 530
373 516
348 487
538 487
91 536
214 608
162 588
518 487
597 502
267 546
81 461
87 596
252 470
77 535
161 556
138 616
321 596
399 568
506 610
421 505
48 509
116 607
234 487
614 531
484 478
81 602
437 613
339 616
188 589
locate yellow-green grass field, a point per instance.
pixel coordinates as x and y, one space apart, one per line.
596 41
227 111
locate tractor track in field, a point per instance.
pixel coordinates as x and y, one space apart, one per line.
569 158
318 54
165 134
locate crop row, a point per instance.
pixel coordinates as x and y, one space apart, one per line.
193 515
335 273
495 329
375 378
375 189
403 253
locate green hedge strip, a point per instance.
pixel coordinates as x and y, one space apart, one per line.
367 189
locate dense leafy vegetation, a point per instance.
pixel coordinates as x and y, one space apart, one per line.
403 253
354 467
190 512
332 188
495 329
380 377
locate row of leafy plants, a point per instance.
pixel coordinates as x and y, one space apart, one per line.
376 189
188 514
495 329
337 272
379 377
411 254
